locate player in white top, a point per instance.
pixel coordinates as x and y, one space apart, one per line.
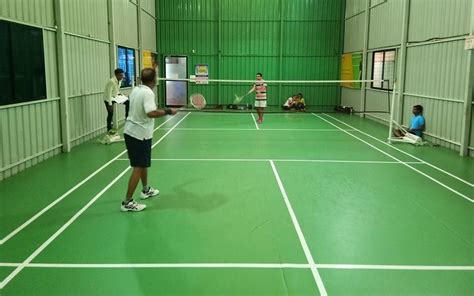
138 133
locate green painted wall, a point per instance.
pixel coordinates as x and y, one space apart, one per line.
283 39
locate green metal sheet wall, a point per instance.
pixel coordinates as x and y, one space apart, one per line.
283 39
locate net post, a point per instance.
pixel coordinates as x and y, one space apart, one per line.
390 126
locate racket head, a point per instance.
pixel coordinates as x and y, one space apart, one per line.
197 101
237 99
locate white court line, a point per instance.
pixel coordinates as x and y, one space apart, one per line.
304 245
396 267
278 160
254 121
243 265
407 165
59 199
406 153
263 129
225 113
28 260
68 223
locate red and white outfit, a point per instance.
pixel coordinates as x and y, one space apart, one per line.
260 94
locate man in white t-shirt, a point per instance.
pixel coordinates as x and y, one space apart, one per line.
138 133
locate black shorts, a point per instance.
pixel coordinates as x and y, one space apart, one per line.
139 152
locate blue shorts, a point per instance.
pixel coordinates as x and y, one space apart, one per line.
139 152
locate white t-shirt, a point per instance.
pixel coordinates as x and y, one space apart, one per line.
138 124
112 89
287 103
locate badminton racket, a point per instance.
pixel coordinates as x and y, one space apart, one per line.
239 99
197 101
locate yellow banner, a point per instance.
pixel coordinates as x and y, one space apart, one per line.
351 69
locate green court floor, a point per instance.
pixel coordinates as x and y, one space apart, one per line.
303 204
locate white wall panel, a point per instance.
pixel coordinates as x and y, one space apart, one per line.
385 19
438 19
378 101
37 12
436 62
148 32
51 65
87 65
87 18
149 6
471 145
126 23
354 33
351 97
437 70
25 131
354 7
442 118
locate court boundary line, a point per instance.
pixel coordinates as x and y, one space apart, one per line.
244 265
263 129
66 194
407 165
299 232
46 243
254 121
404 152
279 160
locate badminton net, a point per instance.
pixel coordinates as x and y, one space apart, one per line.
225 95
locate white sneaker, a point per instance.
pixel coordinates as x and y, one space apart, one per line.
150 193
132 206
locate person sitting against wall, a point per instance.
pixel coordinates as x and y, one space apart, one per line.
295 102
417 123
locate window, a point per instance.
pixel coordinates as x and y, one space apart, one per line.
383 68
22 71
126 62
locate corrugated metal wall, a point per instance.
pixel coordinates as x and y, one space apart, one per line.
87 65
51 64
31 132
88 70
35 12
376 99
390 12
148 32
354 33
87 18
438 18
354 27
436 62
436 72
471 144
126 22
354 7
297 40
148 6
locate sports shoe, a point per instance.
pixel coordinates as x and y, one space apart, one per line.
132 206
150 193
